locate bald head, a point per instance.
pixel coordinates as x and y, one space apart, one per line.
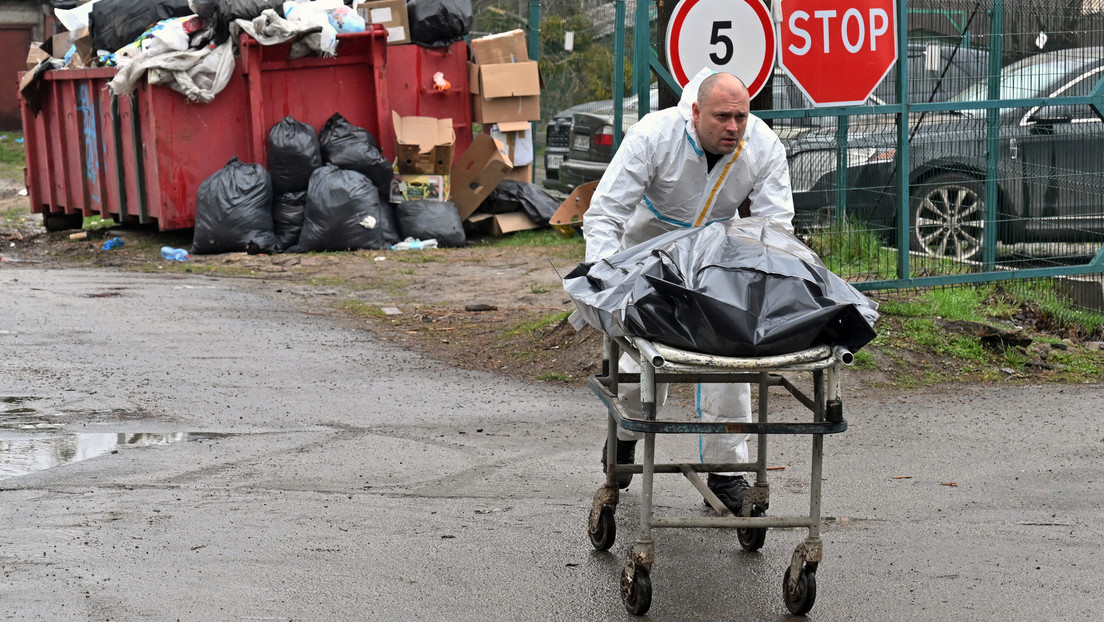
724 85
721 113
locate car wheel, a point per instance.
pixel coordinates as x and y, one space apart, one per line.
948 217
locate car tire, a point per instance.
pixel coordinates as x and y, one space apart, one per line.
948 217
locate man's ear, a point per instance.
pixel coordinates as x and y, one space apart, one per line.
695 109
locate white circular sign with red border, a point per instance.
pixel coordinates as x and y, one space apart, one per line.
733 36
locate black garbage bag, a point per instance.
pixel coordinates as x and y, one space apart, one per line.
287 216
234 211
519 196
354 148
221 13
343 212
744 287
423 220
293 154
438 23
116 23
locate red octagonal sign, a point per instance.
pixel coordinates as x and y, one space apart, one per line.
837 51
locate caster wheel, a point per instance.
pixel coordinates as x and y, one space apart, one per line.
636 594
603 538
752 539
800 600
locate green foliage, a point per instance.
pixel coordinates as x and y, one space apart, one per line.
849 248
544 321
13 157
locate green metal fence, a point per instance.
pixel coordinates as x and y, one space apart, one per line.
980 157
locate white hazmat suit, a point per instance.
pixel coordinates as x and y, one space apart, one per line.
659 181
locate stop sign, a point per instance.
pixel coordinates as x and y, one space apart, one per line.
837 51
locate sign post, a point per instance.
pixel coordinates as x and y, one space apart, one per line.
837 51
734 36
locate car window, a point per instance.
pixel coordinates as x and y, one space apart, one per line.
1020 80
1080 86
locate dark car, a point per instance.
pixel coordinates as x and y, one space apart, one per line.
936 72
557 137
1049 185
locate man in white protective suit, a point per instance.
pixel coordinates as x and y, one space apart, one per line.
706 160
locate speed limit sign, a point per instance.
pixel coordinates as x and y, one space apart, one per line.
734 36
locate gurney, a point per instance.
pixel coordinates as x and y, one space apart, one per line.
664 364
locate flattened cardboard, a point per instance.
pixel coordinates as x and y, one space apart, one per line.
503 47
425 145
478 172
501 224
568 218
419 187
392 15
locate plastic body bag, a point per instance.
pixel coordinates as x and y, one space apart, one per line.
744 288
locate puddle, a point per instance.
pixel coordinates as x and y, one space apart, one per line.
21 454
31 441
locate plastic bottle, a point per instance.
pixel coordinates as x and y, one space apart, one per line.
174 254
112 243
411 244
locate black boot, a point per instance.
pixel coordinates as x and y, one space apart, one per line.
626 454
730 489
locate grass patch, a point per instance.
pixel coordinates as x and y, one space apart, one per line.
357 307
13 156
539 323
555 376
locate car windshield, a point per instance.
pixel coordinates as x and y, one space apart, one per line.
1020 80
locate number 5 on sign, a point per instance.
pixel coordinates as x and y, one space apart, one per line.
735 36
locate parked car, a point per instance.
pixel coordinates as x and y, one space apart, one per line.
1050 183
557 137
591 132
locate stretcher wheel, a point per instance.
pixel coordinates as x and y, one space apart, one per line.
636 593
602 539
752 538
800 600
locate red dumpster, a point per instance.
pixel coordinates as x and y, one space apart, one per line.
410 71
140 158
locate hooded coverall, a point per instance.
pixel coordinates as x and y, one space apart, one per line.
659 181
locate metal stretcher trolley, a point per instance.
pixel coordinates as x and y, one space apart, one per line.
662 364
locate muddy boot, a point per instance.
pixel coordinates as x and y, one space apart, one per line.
626 454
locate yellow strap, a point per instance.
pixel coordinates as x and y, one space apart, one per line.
717 186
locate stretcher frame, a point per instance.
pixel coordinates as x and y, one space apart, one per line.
663 364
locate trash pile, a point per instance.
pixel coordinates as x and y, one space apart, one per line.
331 187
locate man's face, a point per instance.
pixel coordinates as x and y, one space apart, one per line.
720 119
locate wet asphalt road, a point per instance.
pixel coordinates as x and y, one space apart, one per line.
346 479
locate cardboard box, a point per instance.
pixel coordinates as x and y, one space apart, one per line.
82 39
59 45
521 173
503 47
505 92
477 172
419 187
568 219
505 85
425 145
35 55
392 15
518 139
501 224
